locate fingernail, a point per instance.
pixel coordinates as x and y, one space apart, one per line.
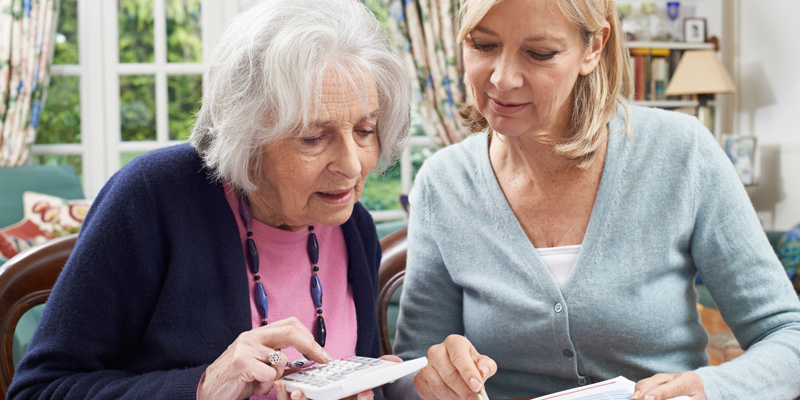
484 373
474 384
649 398
326 355
279 387
296 395
636 394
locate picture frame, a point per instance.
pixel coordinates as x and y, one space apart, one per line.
742 150
694 30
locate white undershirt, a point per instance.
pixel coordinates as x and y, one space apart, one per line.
559 261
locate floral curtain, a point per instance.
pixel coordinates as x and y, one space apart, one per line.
27 32
424 30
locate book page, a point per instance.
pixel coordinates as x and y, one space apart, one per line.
619 388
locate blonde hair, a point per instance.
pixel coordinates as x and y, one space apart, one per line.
595 96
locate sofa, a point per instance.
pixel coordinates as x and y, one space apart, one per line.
55 180
704 297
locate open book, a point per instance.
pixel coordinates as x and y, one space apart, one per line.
619 388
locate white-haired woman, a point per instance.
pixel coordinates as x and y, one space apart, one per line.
198 271
559 246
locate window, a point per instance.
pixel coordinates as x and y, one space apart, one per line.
381 192
127 79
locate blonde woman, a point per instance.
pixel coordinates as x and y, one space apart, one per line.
558 246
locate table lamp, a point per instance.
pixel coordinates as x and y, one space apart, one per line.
699 72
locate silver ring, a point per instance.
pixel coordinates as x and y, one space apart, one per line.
274 357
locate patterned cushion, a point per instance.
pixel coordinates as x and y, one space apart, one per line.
54 214
788 250
20 236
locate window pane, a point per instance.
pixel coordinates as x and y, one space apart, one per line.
125 157
137 107
185 94
61 120
382 192
74 160
418 156
135 31
184 41
66 51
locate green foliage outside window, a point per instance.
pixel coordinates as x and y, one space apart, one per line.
61 119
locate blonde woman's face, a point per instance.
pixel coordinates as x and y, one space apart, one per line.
522 60
318 177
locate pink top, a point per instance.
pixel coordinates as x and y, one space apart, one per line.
286 275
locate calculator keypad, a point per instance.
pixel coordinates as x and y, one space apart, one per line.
336 370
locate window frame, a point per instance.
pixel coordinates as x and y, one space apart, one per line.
99 72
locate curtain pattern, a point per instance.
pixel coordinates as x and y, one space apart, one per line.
424 31
27 33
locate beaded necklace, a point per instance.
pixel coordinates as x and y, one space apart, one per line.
246 213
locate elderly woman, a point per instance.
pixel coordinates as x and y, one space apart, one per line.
588 220
199 269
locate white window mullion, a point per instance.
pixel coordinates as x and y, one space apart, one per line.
160 58
111 85
60 149
66 70
152 69
92 82
405 169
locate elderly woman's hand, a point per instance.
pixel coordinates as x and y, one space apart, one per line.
282 394
667 386
455 370
242 370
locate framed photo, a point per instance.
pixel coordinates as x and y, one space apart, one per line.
694 30
741 150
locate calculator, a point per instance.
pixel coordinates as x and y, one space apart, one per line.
348 376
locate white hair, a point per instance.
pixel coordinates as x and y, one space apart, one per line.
265 78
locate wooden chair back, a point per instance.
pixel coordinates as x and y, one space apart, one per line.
25 282
390 277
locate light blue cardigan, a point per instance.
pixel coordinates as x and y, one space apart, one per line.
669 206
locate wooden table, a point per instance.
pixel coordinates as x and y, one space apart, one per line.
722 345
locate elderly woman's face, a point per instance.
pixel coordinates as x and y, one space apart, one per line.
318 177
522 60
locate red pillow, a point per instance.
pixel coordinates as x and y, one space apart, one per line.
20 236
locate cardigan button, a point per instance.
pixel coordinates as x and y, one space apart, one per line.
568 353
558 307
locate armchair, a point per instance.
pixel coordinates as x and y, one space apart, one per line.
26 281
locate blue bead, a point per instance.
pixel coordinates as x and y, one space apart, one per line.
252 255
321 332
261 299
316 290
313 248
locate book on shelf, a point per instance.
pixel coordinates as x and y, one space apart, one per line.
652 69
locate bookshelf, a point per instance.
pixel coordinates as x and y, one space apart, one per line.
670 45
653 64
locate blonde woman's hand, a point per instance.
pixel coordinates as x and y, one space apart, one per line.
667 386
455 371
243 371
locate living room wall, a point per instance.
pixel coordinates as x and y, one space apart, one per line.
768 103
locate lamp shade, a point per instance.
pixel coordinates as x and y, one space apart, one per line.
700 72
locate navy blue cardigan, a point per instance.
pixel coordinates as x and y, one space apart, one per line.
156 288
